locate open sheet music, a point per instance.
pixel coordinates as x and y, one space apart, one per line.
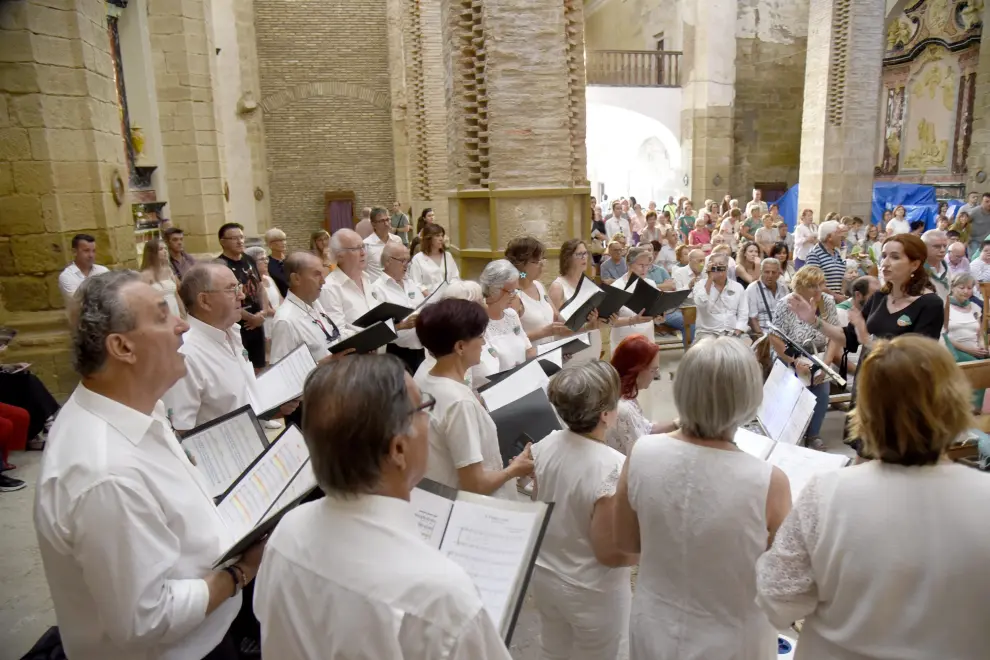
224 447
568 345
587 296
798 463
283 381
787 405
502 392
519 406
495 541
277 480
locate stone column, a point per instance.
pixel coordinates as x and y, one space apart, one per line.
185 75
709 86
515 124
60 151
841 102
978 159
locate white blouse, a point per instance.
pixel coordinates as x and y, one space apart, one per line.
881 556
428 274
964 325
506 340
645 328
630 425
593 352
537 314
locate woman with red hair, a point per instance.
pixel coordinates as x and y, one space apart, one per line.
637 359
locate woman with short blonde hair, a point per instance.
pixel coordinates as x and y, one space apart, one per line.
904 531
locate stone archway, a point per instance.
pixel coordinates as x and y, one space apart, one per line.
302 91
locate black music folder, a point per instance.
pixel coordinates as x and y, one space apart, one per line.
531 415
223 448
588 296
383 312
495 541
653 300
368 340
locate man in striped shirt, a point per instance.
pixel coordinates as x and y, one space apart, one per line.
826 255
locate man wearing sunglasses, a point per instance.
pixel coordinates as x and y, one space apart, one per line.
721 302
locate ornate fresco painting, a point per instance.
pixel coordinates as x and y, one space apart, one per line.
929 76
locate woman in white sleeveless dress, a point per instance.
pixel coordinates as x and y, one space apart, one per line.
539 317
573 264
156 271
433 264
629 322
701 512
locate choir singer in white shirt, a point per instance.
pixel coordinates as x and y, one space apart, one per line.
376 242
581 584
218 376
127 529
350 576
394 287
346 295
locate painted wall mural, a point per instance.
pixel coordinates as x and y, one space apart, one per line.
929 76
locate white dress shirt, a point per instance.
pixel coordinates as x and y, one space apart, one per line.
408 294
344 302
127 531
428 274
721 312
218 379
297 323
373 258
70 279
618 225
353 578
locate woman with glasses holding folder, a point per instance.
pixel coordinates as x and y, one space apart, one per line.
573 265
629 322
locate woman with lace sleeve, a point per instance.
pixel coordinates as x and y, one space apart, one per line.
888 558
637 360
581 583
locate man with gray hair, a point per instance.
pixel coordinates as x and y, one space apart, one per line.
374 243
396 288
363 226
127 529
301 319
827 256
763 295
938 271
218 377
721 302
957 260
346 295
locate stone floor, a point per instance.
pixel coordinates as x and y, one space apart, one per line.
25 606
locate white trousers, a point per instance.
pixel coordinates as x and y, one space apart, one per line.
578 624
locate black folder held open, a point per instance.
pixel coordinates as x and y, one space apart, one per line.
588 297
383 312
651 299
368 340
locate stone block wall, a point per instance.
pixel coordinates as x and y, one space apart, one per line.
324 74
978 159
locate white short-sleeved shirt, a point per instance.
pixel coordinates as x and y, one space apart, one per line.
630 425
505 336
70 279
298 323
407 294
537 314
462 433
428 274
353 578
897 226
218 379
964 324
344 302
373 248
575 472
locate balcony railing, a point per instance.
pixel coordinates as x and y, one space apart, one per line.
634 68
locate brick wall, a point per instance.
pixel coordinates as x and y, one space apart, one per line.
324 91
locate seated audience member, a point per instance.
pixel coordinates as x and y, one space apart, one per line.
14 423
917 227
782 253
504 334
346 294
396 288
581 583
721 302
701 512
700 237
666 253
628 321
433 264
217 377
573 263
784 236
615 266
617 222
729 229
767 235
828 257
841 558
748 263
956 259
980 267
938 270
862 288
762 296
808 284
681 255
964 336
691 272
275 240
464 450
538 314
637 361
127 529
349 575
720 247
20 387
652 231
155 270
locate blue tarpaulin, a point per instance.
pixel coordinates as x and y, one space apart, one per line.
918 200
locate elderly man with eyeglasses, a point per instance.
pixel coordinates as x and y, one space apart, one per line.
346 295
721 302
395 287
218 375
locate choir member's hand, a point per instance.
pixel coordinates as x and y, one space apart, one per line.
613 320
254 321
288 408
639 318
407 323
251 559
803 309
522 465
556 328
336 356
593 318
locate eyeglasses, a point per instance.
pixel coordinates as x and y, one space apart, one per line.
719 269
235 290
401 261
232 238
581 254
427 404
380 221
352 249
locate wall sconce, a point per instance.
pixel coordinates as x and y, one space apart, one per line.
717 181
685 179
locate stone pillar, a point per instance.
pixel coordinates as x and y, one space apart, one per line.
841 102
60 152
185 74
978 159
515 125
709 86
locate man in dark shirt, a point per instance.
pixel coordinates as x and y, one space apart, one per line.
177 257
231 237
